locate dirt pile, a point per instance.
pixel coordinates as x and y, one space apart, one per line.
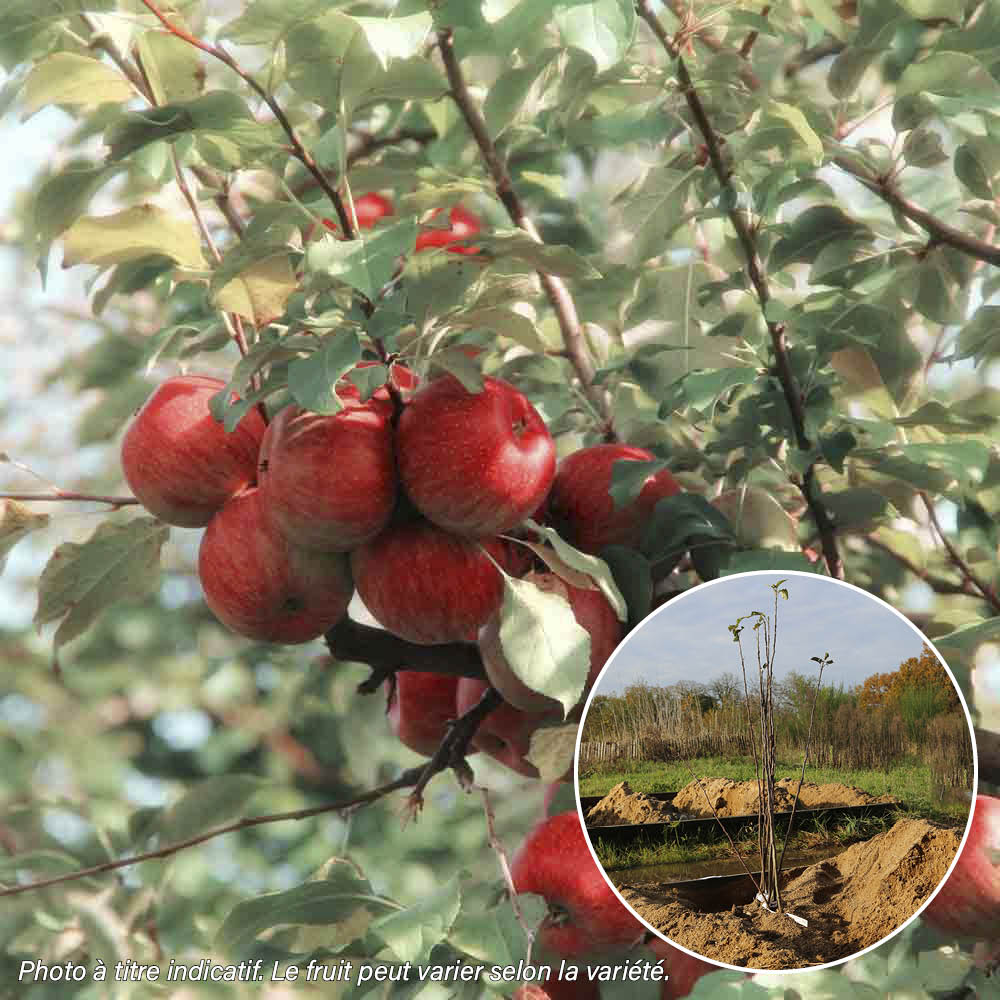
850 901
739 798
622 805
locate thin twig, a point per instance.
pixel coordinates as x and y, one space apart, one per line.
405 780
940 232
502 860
555 289
67 496
455 745
987 591
938 584
809 485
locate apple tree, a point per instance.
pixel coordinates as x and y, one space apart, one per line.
496 323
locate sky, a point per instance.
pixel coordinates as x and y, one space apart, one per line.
688 638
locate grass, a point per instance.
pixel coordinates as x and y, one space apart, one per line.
909 781
676 848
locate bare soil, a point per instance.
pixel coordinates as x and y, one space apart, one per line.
622 805
739 798
850 902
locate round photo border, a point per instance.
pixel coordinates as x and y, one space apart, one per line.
776 574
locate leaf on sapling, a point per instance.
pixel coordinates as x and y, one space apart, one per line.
552 749
312 380
413 932
121 560
16 522
595 568
543 643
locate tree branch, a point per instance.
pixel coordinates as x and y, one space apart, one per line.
988 593
809 485
405 780
298 150
938 584
386 653
939 231
555 289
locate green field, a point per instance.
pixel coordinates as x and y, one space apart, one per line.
910 782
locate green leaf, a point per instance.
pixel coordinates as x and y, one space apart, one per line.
265 22
702 390
977 166
133 233
922 148
16 521
219 113
798 123
68 78
980 337
545 646
678 519
769 559
63 198
559 260
758 519
552 749
330 61
456 362
413 932
261 291
628 479
172 66
206 805
504 322
595 568
813 230
508 94
848 68
367 264
343 901
944 418
932 10
311 380
604 29
395 37
121 560
950 74
633 577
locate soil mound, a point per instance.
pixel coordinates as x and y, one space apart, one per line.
622 805
739 798
850 901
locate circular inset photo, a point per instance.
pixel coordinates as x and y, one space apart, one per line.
776 771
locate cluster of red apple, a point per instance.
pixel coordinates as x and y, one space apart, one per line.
407 507
586 921
462 224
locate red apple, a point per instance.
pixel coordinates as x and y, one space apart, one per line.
582 509
475 463
179 460
261 585
505 734
330 481
369 208
591 610
585 916
968 902
427 585
461 225
419 708
683 970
